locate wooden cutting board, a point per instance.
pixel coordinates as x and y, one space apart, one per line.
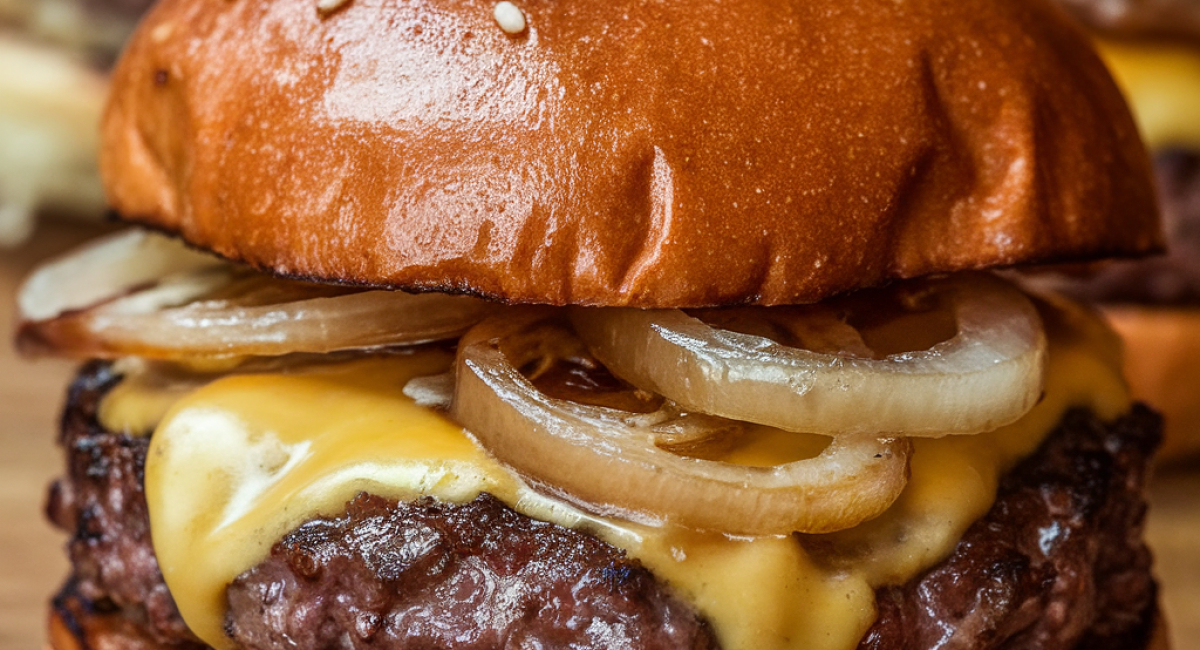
31 556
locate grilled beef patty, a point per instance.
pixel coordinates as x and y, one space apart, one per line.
433 575
101 505
388 575
1058 563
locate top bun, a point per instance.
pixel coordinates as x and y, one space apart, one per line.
659 154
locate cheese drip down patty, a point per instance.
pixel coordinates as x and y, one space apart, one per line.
242 459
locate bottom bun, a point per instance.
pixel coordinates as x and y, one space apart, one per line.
1162 363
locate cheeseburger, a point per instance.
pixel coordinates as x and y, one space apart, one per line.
602 325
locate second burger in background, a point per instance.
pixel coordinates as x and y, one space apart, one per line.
1153 48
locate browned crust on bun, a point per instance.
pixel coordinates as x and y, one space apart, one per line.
626 153
1162 364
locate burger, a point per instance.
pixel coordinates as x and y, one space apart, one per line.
1153 48
620 325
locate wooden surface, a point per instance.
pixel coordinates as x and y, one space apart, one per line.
31 556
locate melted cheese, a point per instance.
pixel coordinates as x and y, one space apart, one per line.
237 463
1162 83
137 404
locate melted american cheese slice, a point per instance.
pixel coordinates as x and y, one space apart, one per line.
239 462
1162 83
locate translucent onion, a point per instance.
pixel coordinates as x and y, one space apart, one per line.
988 374
103 269
613 462
139 294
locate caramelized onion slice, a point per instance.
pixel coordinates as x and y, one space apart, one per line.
612 462
139 294
986 375
105 268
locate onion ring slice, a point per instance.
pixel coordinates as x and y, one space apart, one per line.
107 267
988 374
611 461
140 294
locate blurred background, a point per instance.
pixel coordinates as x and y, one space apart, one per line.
54 57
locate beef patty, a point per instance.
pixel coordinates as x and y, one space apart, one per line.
1058 562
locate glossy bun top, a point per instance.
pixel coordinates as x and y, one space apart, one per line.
661 153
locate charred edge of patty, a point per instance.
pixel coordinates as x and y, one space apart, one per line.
1058 561
101 505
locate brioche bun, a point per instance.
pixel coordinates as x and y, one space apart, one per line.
614 154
